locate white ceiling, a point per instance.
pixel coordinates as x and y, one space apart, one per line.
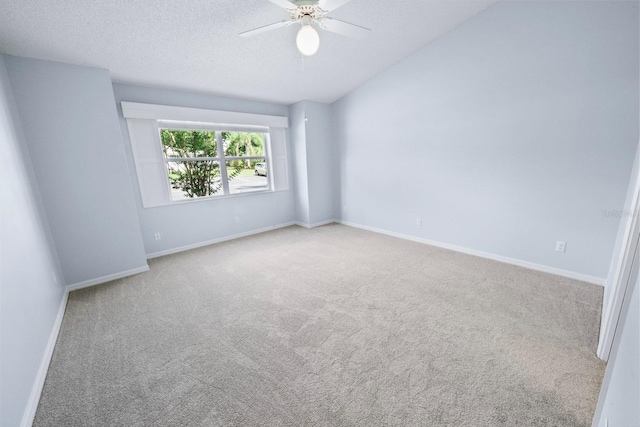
194 45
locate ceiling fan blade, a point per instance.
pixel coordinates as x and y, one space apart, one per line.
266 28
285 4
344 28
329 5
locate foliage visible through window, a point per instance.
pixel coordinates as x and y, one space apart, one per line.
203 163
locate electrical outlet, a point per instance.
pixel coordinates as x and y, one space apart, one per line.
419 222
157 236
606 422
237 220
561 246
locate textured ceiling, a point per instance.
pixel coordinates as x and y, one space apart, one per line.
194 45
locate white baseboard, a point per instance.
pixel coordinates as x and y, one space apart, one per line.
317 224
107 278
36 390
520 263
218 240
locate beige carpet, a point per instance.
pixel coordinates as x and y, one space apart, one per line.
333 326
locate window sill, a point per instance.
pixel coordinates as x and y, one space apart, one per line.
212 198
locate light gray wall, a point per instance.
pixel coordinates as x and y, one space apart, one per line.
621 386
321 160
31 281
299 154
195 222
314 160
71 127
515 130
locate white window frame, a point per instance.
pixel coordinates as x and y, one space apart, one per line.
144 122
221 158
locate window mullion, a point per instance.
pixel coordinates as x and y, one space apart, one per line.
245 157
190 159
223 164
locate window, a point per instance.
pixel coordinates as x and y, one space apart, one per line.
185 154
206 163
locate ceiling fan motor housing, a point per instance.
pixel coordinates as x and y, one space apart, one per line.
306 13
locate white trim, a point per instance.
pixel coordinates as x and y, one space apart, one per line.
136 110
520 263
218 240
317 224
615 346
173 124
107 278
34 398
36 391
611 312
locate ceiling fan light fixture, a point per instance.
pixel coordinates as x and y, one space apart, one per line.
308 40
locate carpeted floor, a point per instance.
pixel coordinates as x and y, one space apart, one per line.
333 326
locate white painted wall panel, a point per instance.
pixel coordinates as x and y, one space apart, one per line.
150 166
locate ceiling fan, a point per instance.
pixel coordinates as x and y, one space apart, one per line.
307 13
